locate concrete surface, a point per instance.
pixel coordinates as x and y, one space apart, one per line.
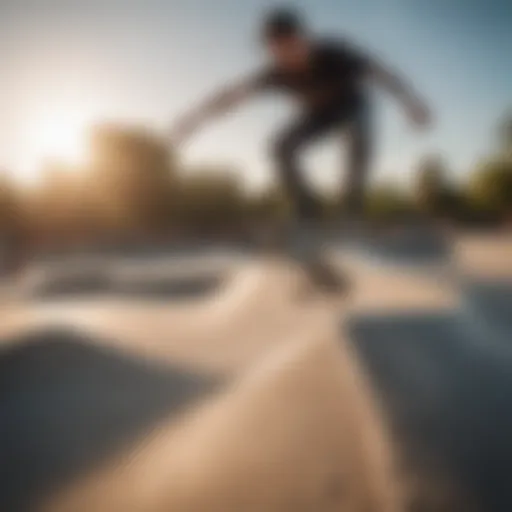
251 395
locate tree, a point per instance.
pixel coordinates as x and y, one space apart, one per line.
9 206
431 187
53 205
14 236
132 176
209 198
490 188
386 204
269 205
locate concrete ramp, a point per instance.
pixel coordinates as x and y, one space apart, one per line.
298 432
484 282
69 403
323 405
256 309
430 343
158 281
292 427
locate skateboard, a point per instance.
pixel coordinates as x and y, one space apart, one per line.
305 247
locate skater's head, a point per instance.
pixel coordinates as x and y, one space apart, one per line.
285 37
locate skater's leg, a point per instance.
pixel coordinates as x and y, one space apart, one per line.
307 208
360 149
287 151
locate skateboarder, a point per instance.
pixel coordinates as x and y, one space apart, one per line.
328 78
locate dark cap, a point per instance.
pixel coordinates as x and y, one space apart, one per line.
281 23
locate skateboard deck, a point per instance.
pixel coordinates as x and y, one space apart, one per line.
305 247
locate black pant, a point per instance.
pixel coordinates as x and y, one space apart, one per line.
311 127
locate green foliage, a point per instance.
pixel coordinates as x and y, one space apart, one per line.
8 204
269 205
505 135
13 223
208 199
490 188
431 187
132 177
385 204
133 184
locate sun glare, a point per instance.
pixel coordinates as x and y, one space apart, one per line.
58 136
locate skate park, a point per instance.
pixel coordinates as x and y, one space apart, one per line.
155 383
165 346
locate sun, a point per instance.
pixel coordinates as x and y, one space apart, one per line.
57 135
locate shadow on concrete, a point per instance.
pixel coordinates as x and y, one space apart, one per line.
67 405
488 305
145 251
68 285
186 287
449 399
409 247
165 287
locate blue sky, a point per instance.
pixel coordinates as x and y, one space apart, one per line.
148 60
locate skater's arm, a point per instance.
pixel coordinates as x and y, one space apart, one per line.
384 77
219 103
369 67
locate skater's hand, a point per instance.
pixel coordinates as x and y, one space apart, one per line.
419 114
